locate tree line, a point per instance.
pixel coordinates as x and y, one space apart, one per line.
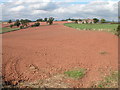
96 20
23 23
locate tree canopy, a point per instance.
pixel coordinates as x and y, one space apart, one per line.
50 20
103 20
17 23
10 21
96 20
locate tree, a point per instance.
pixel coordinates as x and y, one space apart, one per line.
69 19
10 21
63 20
95 20
24 22
45 19
103 20
50 20
27 20
79 19
73 19
39 20
76 21
17 23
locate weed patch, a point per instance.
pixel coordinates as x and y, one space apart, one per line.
77 74
110 81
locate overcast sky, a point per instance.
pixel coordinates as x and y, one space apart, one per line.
62 9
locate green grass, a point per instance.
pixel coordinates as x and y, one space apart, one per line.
76 74
6 29
105 27
110 81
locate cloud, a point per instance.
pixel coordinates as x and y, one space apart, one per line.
43 6
0 12
18 8
35 12
61 10
99 9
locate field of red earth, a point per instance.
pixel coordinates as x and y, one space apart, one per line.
46 52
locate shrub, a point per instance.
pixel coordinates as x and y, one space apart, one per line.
118 30
35 25
32 25
11 25
21 27
25 22
17 23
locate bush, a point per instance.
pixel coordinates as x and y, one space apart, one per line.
11 25
35 25
17 23
21 27
118 30
25 22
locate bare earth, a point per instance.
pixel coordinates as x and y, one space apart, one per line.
40 53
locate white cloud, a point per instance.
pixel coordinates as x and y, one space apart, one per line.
35 12
35 0
18 2
0 11
61 10
18 8
100 9
43 6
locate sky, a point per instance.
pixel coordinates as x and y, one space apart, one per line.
59 9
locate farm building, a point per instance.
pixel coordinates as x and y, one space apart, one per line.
69 20
89 21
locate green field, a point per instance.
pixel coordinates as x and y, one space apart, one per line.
100 27
7 29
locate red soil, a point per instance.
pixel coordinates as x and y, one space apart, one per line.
37 53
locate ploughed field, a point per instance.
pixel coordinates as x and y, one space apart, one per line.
5 27
44 57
